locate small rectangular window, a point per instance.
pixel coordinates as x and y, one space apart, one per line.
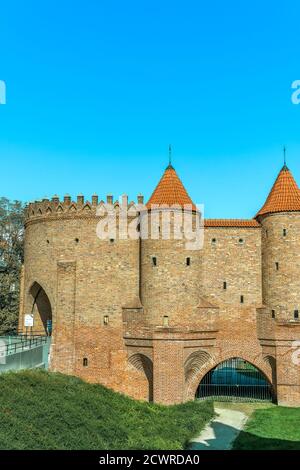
105 319
154 261
277 266
166 321
273 313
224 285
242 299
188 261
284 232
85 362
296 314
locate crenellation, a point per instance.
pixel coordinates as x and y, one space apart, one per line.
67 200
67 208
80 200
94 200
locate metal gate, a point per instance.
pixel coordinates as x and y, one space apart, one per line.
235 380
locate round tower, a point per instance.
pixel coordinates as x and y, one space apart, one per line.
170 258
280 220
279 327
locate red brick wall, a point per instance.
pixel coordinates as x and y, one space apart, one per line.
87 279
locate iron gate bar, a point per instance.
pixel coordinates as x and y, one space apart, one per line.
235 379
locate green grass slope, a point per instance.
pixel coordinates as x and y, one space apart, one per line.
42 410
275 428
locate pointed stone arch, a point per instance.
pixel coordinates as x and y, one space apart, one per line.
271 363
235 379
144 366
41 309
255 359
194 363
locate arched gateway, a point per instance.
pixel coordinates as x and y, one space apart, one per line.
41 310
235 379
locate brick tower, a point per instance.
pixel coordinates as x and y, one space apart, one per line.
280 329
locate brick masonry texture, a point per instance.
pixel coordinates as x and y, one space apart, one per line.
154 331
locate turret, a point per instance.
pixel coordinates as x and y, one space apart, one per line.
280 220
170 268
279 325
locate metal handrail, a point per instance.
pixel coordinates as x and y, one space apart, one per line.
24 344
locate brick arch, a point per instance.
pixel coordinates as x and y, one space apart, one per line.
194 363
143 364
255 359
41 307
271 363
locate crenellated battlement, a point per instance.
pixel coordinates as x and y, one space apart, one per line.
67 208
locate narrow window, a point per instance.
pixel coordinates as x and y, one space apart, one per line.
111 240
241 241
105 319
266 233
77 240
277 266
242 299
284 232
188 261
224 285
273 313
48 242
166 320
296 314
85 362
154 261
214 241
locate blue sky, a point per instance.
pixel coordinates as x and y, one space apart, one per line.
96 91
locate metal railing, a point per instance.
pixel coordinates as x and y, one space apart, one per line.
235 380
12 345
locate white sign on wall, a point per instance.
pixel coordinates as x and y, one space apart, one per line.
28 320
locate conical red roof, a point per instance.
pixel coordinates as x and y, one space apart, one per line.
284 195
170 190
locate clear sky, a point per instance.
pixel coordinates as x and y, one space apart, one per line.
97 89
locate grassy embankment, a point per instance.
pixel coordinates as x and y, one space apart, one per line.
270 427
40 410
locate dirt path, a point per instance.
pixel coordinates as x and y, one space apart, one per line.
220 433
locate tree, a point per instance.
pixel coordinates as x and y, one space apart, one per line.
11 260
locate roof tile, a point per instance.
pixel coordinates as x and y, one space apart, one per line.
231 223
170 191
284 195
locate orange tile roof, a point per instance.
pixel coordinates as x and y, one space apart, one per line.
170 190
231 223
284 195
